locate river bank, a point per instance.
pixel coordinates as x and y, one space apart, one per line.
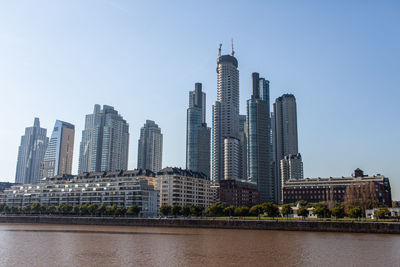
290 225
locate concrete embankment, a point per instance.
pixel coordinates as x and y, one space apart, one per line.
290 225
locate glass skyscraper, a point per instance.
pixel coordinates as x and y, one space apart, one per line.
150 147
31 153
259 143
197 133
105 141
58 157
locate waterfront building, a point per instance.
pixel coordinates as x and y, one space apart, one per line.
225 128
105 141
31 153
292 167
150 147
285 139
197 133
333 190
58 157
370 213
238 193
184 187
121 188
259 144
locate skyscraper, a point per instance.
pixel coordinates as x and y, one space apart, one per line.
225 128
243 147
150 147
105 141
30 154
197 133
259 143
285 134
58 157
291 167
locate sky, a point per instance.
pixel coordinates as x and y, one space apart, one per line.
341 60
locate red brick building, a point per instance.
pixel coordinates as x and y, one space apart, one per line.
238 193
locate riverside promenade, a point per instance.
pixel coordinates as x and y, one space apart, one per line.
283 225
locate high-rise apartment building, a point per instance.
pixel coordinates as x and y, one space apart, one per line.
291 167
31 153
225 126
284 134
58 157
105 141
150 147
197 133
243 147
259 144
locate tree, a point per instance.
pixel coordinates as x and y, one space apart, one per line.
242 211
229 211
133 210
286 210
338 211
382 213
362 195
101 210
75 210
120 211
271 209
25 210
303 212
216 209
302 203
256 210
321 210
2 207
196 210
84 209
165 210
15 210
354 211
92 208
35 208
185 210
51 209
43 209
176 210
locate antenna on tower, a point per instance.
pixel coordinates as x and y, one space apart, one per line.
233 51
219 50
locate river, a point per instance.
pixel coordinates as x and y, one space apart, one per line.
73 245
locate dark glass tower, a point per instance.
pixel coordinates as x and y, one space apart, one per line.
259 143
197 133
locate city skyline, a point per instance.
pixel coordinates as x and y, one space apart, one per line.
347 132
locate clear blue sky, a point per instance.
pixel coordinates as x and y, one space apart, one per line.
341 59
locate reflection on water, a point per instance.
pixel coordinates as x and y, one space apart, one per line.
71 245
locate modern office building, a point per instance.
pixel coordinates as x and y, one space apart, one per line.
291 167
150 147
31 153
121 188
285 140
238 193
184 187
58 157
105 141
259 145
334 189
243 147
197 133
225 117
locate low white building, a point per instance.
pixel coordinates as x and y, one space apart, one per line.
295 209
370 213
183 187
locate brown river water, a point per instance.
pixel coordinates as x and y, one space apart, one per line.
73 245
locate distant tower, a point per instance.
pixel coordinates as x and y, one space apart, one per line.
58 157
291 167
243 147
259 144
150 147
225 126
105 141
285 134
197 133
31 153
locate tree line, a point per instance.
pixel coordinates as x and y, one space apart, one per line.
68 209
